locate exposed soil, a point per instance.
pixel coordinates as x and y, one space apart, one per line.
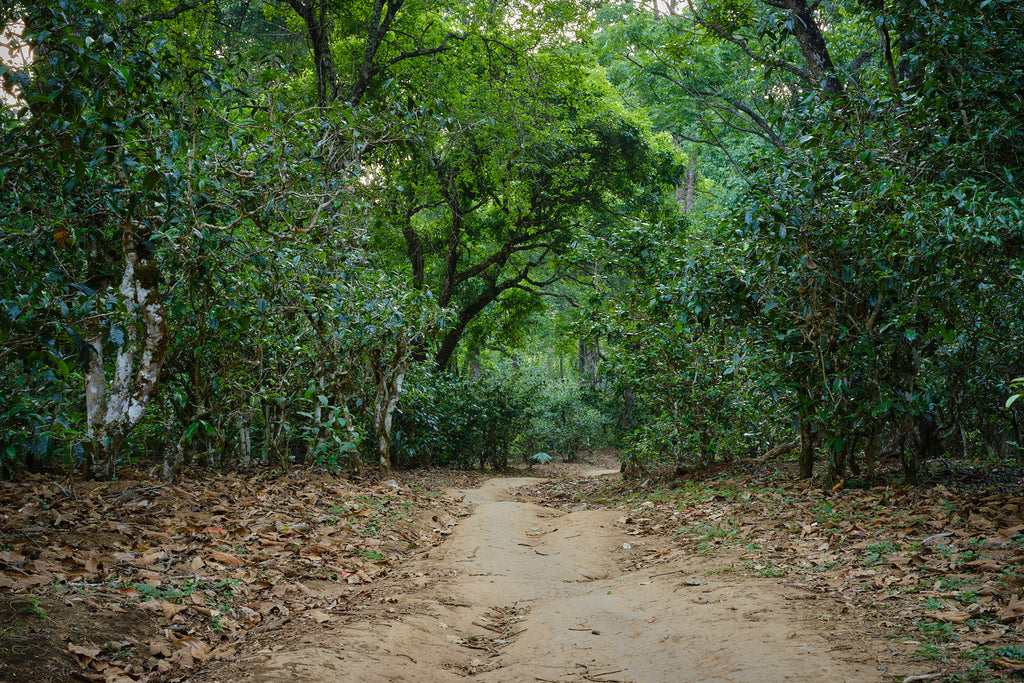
735 574
521 592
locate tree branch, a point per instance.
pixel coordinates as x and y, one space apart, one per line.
554 295
422 52
726 102
721 33
168 15
378 29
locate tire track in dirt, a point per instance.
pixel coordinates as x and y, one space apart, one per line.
521 592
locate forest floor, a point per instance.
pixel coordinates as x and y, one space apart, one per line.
565 574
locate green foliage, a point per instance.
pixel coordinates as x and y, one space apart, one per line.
1016 384
672 317
272 305
563 421
885 281
490 182
39 416
446 420
877 553
92 146
877 297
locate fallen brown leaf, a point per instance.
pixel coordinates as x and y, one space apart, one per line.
225 558
950 617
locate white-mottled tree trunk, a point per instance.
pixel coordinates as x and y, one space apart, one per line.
112 415
389 380
174 451
245 440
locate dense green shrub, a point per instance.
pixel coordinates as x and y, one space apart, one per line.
444 419
563 422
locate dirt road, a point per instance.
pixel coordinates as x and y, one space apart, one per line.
521 592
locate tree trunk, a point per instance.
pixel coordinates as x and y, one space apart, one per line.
588 357
318 31
453 336
806 449
924 445
244 441
389 390
836 463
812 45
628 403
474 366
273 435
870 455
270 432
377 28
111 416
807 432
911 467
174 451
355 463
777 452
883 35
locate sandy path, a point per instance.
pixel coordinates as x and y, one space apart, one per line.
548 585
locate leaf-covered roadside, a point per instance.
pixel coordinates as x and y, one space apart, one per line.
938 569
132 580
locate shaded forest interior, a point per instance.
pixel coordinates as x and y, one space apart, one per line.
411 234
355 236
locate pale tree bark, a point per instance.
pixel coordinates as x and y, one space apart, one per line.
474 365
112 415
174 450
355 464
244 440
388 375
686 194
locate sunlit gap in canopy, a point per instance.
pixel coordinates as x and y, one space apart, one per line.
15 53
659 8
551 22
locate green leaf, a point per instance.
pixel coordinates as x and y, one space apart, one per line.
151 179
124 77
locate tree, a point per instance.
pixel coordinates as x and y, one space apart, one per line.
154 183
514 157
847 242
93 112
